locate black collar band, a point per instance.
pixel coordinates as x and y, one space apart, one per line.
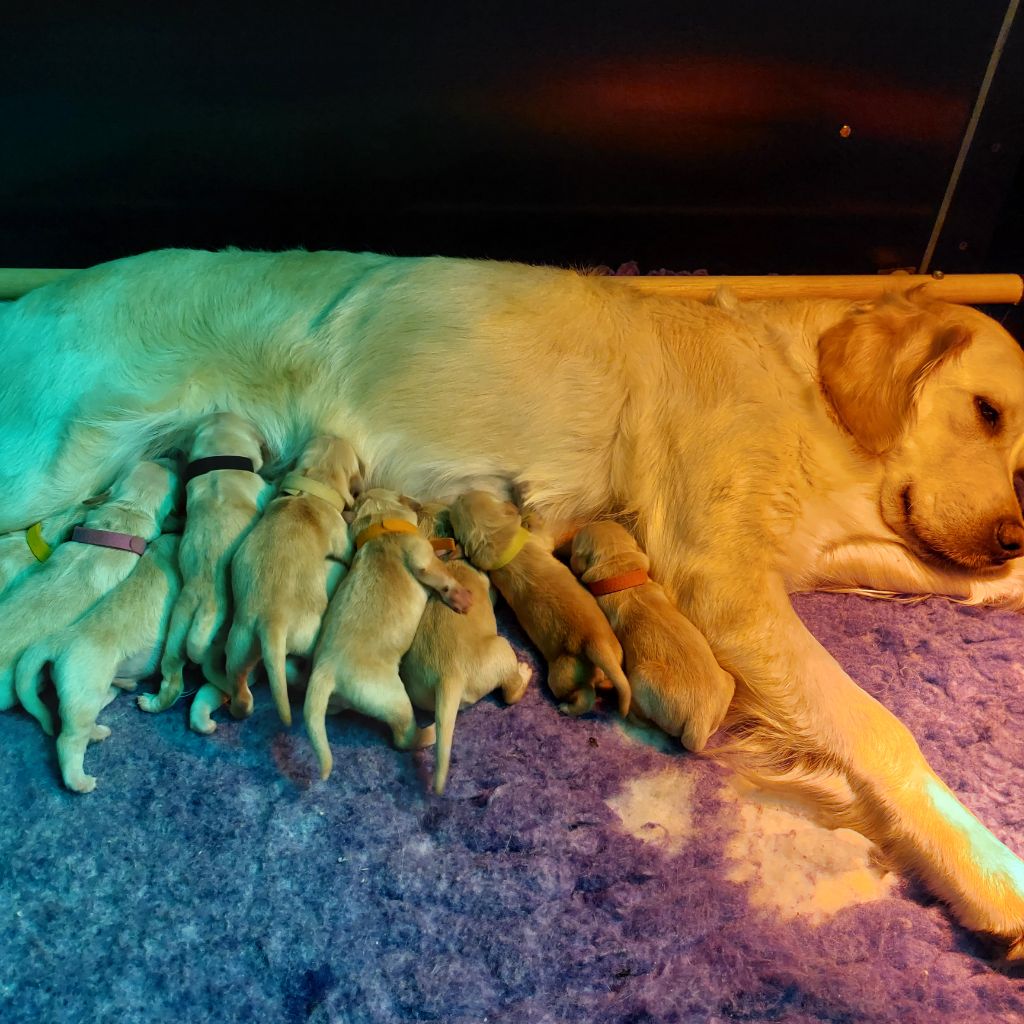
212 462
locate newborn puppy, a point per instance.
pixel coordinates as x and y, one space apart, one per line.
372 621
23 551
457 659
676 682
116 642
97 557
224 496
559 616
279 574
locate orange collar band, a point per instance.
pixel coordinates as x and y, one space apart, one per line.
613 584
515 545
442 545
385 526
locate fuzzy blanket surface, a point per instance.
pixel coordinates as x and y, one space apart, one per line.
575 871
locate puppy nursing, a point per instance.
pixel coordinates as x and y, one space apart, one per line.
224 495
675 680
99 556
559 616
280 575
115 643
372 621
457 659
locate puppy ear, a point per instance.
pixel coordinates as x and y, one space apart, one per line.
409 503
97 499
872 365
349 516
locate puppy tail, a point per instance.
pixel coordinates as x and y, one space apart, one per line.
321 685
26 685
604 658
449 697
275 653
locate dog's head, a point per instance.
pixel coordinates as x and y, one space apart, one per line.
936 392
225 433
380 503
483 524
151 488
334 462
606 547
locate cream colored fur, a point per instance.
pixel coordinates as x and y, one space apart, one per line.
279 579
115 643
16 557
456 660
675 681
221 507
371 623
559 616
716 431
77 575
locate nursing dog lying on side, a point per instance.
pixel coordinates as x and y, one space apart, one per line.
754 449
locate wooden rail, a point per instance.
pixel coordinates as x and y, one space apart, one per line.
967 288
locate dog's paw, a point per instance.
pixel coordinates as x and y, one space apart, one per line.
459 599
204 728
81 783
149 702
99 733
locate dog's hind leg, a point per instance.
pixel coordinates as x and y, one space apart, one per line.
207 700
382 696
571 680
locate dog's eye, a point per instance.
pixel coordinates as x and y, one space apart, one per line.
989 413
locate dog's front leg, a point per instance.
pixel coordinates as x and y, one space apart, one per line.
802 722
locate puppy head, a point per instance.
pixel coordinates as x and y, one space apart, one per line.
378 503
225 433
149 488
606 548
936 393
334 462
483 525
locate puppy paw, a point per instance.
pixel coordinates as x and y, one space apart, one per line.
459 599
514 692
149 702
81 783
203 726
99 733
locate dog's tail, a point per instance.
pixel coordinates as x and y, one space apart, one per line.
449 697
273 640
27 684
611 665
321 685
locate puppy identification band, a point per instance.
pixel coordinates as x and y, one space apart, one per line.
296 483
513 549
212 462
109 539
624 581
383 527
36 544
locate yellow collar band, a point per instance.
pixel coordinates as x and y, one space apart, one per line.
36 544
297 483
515 545
385 526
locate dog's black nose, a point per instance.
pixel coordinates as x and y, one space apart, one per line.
1010 537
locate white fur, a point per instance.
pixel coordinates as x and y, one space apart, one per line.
706 427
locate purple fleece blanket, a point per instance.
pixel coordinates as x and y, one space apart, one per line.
576 871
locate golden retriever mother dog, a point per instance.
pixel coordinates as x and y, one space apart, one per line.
754 448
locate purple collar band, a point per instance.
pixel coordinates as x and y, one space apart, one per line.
109 539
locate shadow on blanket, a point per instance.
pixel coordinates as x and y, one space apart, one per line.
575 871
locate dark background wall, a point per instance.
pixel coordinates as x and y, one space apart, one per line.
679 135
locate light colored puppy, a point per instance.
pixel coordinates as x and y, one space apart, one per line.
279 574
455 660
23 551
372 622
117 641
222 504
78 574
676 682
559 616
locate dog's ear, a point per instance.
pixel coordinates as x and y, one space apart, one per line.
410 503
872 365
97 499
349 516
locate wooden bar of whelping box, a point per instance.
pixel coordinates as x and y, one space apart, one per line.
968 288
